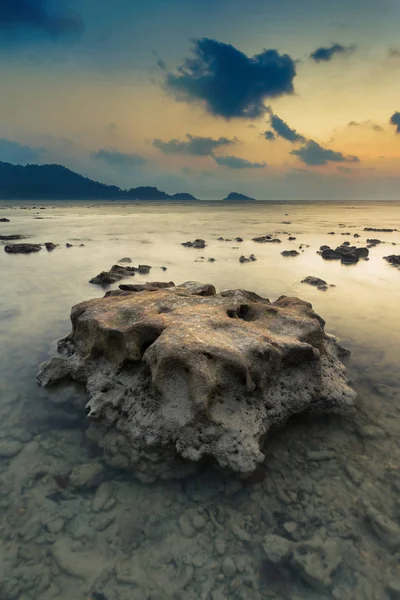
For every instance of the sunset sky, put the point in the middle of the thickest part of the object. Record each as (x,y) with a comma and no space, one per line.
(278,99)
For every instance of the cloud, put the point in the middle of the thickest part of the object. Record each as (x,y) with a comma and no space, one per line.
(118,159)
(16,153)
(111,127)
(194,145)
(368,123)
(395,120)
(24,16)
(325,54)
(283,130)
(269,135)
(344,170)
(230,84)
(234,162)
(314,154)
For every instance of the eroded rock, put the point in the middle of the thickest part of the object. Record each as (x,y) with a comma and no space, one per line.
(182,375)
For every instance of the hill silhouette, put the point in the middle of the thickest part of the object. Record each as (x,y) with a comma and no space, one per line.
(56,182)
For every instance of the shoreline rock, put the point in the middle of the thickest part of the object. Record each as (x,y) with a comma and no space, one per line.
(181,376)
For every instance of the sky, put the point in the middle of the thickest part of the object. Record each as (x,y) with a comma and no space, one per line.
(276,99)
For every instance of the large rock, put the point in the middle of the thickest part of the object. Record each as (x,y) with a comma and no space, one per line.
(182,375)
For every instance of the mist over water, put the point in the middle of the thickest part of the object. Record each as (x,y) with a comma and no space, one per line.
(327,479)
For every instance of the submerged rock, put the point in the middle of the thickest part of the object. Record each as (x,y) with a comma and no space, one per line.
(183,375)
(198,243)
(320,284)
(22,248)
(10,238)
(116,273)
(381,230)
(245,259)
(263,239)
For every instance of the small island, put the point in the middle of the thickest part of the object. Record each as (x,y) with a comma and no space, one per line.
(238,197)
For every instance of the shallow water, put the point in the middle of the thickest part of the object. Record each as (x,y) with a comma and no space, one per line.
(202,537)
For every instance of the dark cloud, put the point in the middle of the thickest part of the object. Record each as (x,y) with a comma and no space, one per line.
(16,153)
(283,130)
(368,123)
(395,120)
(161,65)
(325,54)
(230,84)
(118,159)
(24,16)
(234,162)
(314,154)
(269,135)
(194,145)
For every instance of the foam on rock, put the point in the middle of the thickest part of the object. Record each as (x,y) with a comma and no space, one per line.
(182,375)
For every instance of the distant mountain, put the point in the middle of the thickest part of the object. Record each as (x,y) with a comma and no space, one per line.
(236,196)
(55,182)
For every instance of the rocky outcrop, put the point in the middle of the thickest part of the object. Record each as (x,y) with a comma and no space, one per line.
(22,248)
(382,230)
(317,282)
(264,239)
(245,259)
(198,243)
(345,253)
(179,376)
(393,259)
(116,273)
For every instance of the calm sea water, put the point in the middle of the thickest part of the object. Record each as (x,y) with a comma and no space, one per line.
(64,537)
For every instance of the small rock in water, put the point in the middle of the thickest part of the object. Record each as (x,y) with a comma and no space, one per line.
(290,253)
(320,284)
(22,248)
(4,220)
(198,243)
(126,259)
(251,258)
(50,246)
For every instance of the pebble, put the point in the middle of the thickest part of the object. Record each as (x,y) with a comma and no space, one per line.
(199,522)
(185,526)
(56,526)
(102,496)
(290,526)
(240,533)
(10,448)
(199,559)
(87,475)
(229,567)
(220,546)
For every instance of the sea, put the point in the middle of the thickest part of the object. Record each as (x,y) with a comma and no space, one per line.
(321,519)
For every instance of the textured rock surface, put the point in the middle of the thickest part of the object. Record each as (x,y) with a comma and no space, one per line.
(181,375)
(116,273)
